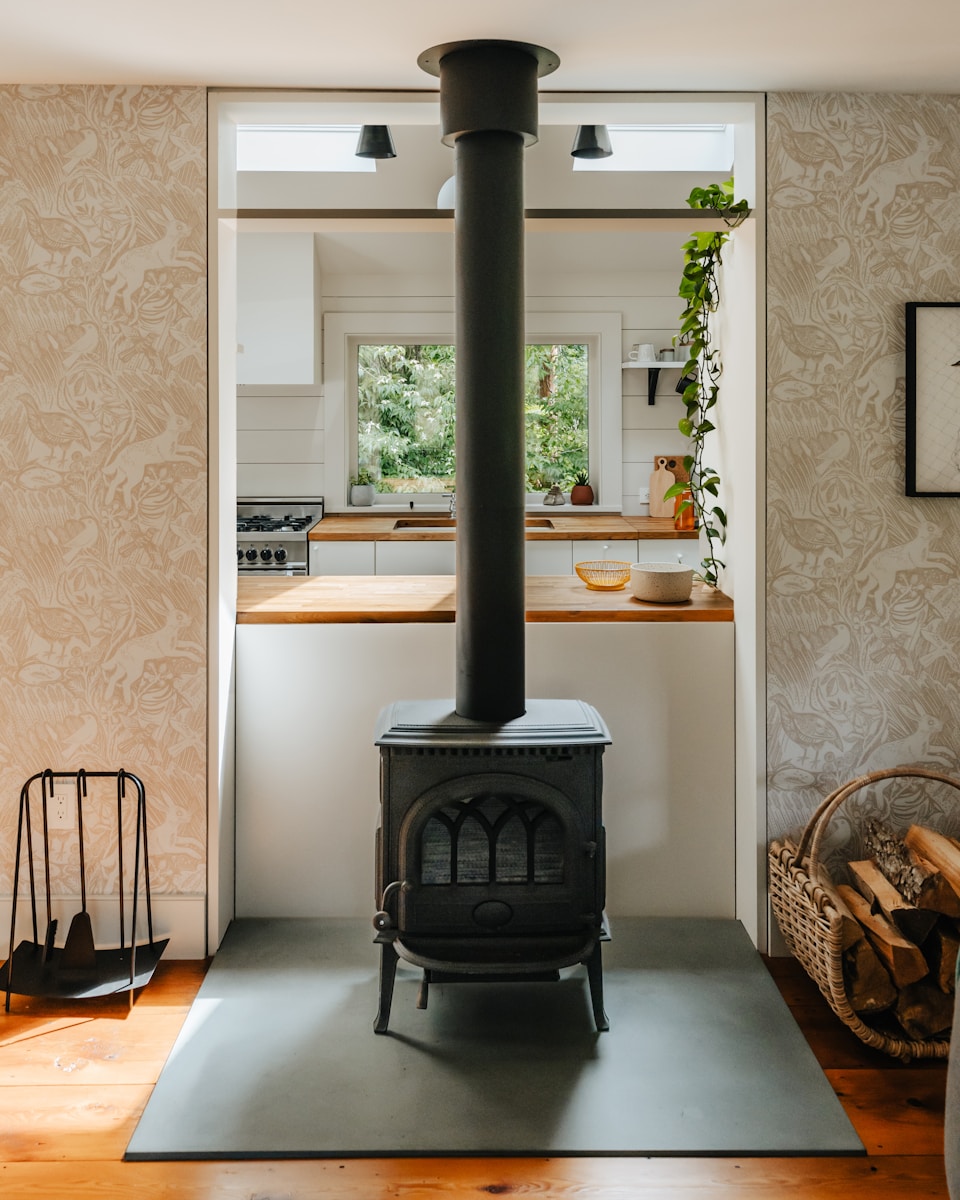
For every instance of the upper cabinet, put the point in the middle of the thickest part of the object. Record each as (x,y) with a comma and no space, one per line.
(276,301)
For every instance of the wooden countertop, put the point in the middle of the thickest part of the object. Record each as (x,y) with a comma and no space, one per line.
(358,599)
(586,527)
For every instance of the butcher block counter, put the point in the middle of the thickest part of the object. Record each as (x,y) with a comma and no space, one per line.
(348,599)
(541,526)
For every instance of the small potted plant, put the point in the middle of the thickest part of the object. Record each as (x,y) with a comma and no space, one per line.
(581,492)
(361,488)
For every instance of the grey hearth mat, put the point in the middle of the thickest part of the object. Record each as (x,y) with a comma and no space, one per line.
(278,1058)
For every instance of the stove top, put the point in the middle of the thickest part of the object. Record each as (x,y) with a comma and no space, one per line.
(260,523)
(291,514)
(272,533)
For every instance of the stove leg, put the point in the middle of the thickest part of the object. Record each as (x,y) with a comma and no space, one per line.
(595,976)
(388,973)
(424,992)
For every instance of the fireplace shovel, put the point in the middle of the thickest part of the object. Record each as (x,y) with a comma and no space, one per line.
(79,955)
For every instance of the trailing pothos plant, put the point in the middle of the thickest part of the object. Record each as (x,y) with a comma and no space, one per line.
(700,288)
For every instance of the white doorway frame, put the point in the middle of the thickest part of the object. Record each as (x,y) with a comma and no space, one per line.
(743,466)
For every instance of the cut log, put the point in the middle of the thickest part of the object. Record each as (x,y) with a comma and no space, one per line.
(901,957)
(867,982)
(940,852)
(914,923)
(923,1010)
(940,951)
(913,876)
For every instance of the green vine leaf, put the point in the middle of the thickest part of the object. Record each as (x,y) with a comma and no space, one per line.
(699,288)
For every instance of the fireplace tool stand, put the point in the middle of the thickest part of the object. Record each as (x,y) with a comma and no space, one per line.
(78,969)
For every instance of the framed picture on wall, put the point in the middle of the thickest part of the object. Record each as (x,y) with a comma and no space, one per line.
(933,399)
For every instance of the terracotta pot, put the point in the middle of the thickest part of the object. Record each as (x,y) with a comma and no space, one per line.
(581,493)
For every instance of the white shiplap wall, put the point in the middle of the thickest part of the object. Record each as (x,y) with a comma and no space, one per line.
(281,448)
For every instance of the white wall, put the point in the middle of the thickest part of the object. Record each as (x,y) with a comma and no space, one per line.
(307,768)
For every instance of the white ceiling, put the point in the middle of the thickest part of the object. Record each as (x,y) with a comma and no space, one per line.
(699,45)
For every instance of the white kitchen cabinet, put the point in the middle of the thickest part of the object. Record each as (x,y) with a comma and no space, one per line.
(416,558)
(276,325)
(342,558)
(594,551)
(549,558)
(681,550)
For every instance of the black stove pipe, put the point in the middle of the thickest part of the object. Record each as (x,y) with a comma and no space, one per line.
(488,112)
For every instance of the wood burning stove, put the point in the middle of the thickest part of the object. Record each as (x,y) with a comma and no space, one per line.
(490,850)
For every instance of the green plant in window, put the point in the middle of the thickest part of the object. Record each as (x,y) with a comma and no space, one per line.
(700,289)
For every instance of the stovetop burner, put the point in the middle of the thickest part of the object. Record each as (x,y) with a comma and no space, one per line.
(264,524)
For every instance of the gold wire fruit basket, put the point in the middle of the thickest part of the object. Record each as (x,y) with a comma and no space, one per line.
(606,575)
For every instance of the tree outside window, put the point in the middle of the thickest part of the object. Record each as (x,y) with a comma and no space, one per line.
(406,402)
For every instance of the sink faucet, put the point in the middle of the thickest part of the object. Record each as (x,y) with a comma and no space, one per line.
(452,497)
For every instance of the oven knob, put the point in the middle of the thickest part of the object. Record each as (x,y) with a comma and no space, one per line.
(281,554)
(251,555)
(239,555)
(266,554)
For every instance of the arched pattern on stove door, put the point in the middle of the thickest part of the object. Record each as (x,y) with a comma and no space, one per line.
(491,838)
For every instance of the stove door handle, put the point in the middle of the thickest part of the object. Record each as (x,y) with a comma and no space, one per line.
(382,919)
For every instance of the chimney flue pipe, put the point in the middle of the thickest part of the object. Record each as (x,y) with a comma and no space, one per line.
(488,113)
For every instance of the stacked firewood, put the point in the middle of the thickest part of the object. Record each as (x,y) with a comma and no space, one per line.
(901,928)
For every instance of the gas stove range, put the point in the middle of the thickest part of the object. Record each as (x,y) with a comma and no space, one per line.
(272,534)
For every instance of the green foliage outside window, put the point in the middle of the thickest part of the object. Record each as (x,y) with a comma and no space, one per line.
(406,415)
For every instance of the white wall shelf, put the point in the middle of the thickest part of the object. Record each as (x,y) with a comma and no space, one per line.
(653,376)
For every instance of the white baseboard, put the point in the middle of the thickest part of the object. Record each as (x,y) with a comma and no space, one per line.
(182,919)
(776,946)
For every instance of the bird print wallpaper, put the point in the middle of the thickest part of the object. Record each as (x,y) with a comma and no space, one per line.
(103,484)
(103,319)
(863,607)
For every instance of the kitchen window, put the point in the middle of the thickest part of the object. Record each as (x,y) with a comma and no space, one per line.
(406,425)
(389,396)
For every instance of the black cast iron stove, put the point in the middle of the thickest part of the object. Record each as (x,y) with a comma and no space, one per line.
(490,851)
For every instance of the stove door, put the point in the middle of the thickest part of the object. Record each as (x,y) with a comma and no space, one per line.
(496,854)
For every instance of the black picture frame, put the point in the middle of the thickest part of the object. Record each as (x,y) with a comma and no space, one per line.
(932,398)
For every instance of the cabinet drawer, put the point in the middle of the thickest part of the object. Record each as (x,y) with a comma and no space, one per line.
(416,558)
(549,558)
(622,551)
(342,558)
(682,550)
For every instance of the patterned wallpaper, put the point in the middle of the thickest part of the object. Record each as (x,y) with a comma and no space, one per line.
(103,484)
(863,608)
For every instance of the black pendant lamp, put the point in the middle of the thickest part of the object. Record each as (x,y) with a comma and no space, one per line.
(375,141)
(592,141)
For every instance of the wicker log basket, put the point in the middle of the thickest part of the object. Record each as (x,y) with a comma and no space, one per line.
(811,924)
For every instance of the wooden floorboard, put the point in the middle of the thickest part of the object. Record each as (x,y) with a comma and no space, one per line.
(74,1077)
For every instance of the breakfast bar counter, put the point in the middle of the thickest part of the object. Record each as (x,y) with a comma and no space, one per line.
(391,599)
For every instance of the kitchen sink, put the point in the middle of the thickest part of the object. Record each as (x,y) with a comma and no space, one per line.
(428,524)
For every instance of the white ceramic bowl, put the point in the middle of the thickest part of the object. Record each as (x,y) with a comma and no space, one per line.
(661,583)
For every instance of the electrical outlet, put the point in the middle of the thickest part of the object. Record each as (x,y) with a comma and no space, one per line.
(644,495)
(62,810)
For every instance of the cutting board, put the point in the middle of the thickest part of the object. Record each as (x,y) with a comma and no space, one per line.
(660,480)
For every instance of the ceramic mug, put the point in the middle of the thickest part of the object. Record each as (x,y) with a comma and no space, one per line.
(644,352)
